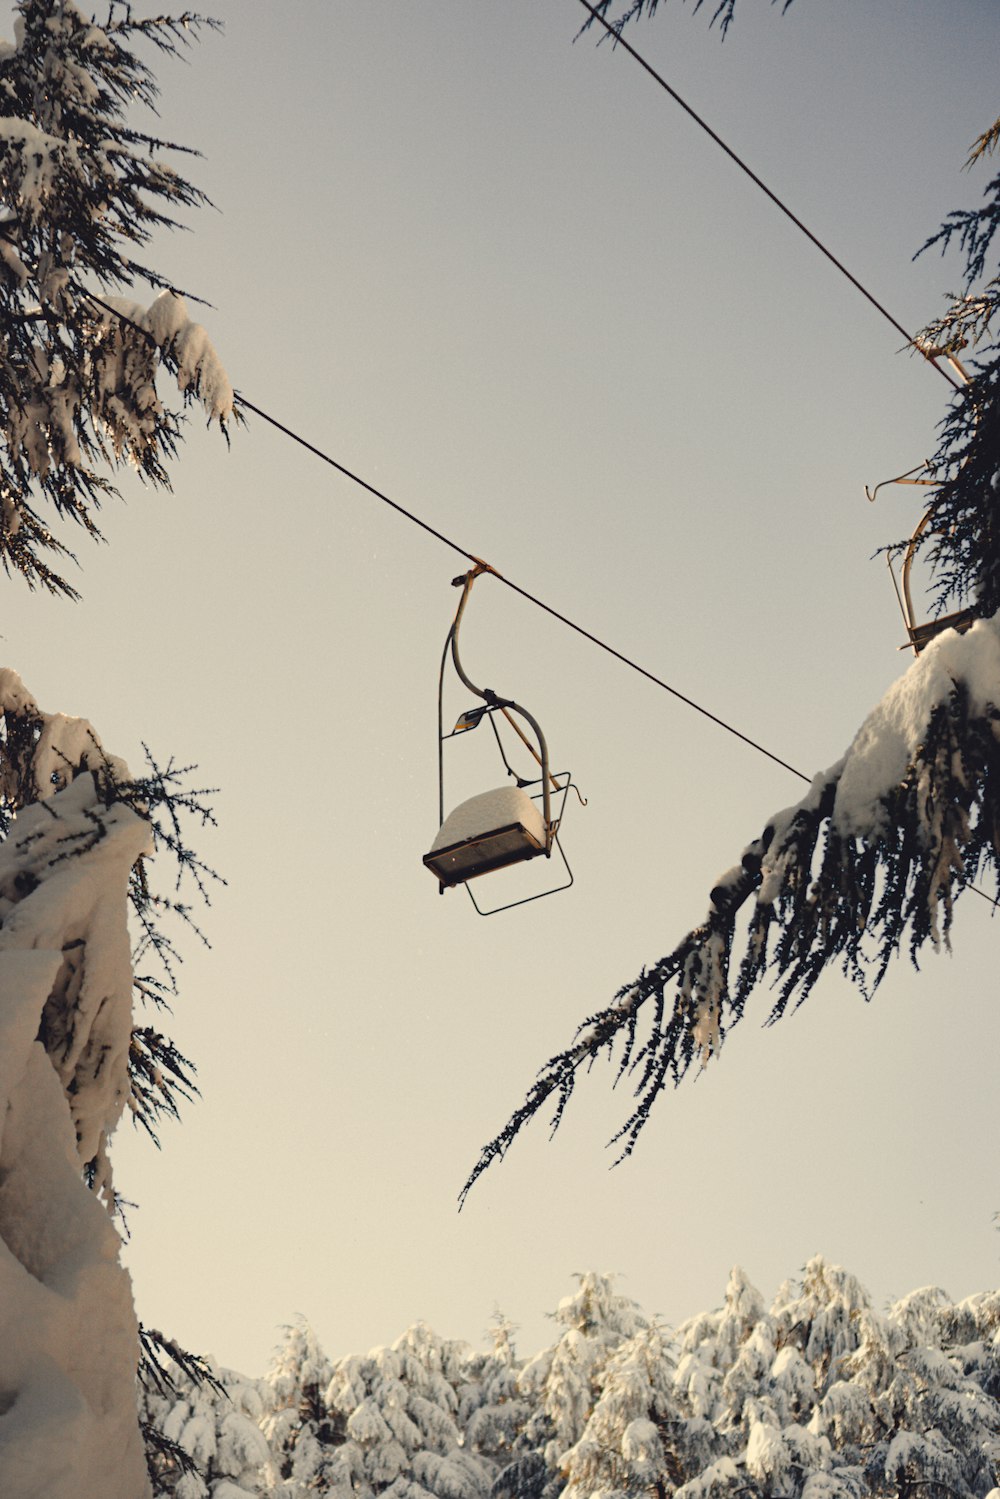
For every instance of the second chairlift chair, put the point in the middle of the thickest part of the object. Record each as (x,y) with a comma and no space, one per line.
(920,634)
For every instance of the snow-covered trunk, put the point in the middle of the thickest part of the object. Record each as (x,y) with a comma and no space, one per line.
(68,1332)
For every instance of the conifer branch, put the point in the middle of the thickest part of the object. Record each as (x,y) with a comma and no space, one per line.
(986,144)
(820,890)
(825,885)
(635,10)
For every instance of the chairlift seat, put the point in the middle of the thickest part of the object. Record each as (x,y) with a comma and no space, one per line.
(487,832)
(921,635)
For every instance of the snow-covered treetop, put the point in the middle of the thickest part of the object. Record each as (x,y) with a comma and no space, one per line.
(598,1311)
(299,1364)
(81,190)
(626,1445)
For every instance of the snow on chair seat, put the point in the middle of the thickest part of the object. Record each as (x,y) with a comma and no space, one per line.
(487,832)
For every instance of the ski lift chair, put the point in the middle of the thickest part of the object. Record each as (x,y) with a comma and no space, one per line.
(506,826)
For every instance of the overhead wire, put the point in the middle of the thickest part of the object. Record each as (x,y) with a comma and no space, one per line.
(530,597)
(619,40)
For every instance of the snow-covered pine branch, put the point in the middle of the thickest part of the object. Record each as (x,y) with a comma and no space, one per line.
(872,858)
(203,1431)
(81,189)
(885,840)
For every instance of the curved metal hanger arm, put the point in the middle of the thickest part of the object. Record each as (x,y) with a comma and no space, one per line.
(489,696)
(909,613)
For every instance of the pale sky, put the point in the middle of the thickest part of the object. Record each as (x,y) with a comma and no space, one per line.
(506,280)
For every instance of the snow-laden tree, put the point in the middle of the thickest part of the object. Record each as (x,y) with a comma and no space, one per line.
(873,858)
(722,1357)
(82,188)
(630,1443)
(823,1398)
(751,1379)
(939,1423)
(828,1317)
(563,1382)
(68,1335)
(398,1409)
(297,1425)
(211,1421)
(494,1412)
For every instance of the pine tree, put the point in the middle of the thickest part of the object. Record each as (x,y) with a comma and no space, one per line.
(874,858)
(208,1424)
(629,1445)
(81,191)
(941,1427)
(398,1410)
(493,1411)
(75,829)
(723,1357)
(563,1382)
(827,1319)
(297,1425)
